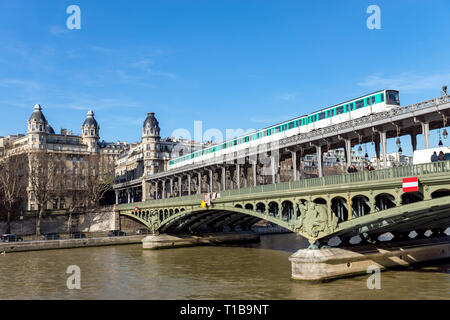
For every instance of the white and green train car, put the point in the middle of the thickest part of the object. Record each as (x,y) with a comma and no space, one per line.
(379,101)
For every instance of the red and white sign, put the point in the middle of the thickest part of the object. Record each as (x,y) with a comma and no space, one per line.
(410,184)
(136,209)
(208,199)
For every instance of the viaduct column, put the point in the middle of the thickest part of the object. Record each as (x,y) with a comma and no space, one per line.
(383,147)
(189,184)
(426,134)
(180,187)
(272,166)
(348,152)
(413,140)
(224,178)
(117,197)
(377,151)
(254,174)
(163,195)
(210,180)
(238,175)
(129,196)
(171,187)
(199,187)
(319,161)
(294,165)
(156,190)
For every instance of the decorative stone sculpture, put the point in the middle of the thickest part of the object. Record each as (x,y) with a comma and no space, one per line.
(314,220)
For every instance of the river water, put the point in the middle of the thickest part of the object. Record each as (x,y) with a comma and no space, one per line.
(252,271)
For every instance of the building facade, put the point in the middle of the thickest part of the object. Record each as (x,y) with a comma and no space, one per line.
(149,156)
(69,149)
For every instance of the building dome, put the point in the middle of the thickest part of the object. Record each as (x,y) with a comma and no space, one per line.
(90,120)
(37,114)
(151,122)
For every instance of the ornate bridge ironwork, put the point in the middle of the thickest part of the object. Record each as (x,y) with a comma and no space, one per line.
(364,203)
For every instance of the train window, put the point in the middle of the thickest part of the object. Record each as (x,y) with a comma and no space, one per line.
(329,113)
(321,115)
(340,110)
(291,125)
(382,97)
(285,127)
(373,99)
(392,98)
(359,104)
(368,101)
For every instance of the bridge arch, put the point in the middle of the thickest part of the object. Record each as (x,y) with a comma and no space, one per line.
(220,218)
(261,207)
(440,193)
(339,207)
(320,200)
(249,206)
(384,201)
(273,209)
(411,197)
(360,206)
(287,210)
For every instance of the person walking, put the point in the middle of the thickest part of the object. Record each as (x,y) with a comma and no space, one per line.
(441,156)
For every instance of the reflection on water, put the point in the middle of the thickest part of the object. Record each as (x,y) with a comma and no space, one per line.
(252,271)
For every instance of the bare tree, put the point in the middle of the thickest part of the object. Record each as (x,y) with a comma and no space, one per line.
(98,178)
(77,196)
(44,182)
(12,185)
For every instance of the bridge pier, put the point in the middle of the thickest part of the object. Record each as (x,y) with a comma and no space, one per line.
(166,241)
(331,263)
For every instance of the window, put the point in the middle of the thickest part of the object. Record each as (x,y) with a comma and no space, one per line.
(321,115)
(382,97)
(291,125)
(359,104)
(373,99)
(392,98)
(329,113)
(340,110)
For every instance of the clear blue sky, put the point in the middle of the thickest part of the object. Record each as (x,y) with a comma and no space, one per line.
(231,64)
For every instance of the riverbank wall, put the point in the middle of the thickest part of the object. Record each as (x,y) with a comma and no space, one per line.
(7,247)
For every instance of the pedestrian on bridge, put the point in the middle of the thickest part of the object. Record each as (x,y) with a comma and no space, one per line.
(441,156)
(434,157)
(352,169)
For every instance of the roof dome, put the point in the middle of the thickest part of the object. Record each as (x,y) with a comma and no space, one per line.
(151,121)
(90,120)
(37,114)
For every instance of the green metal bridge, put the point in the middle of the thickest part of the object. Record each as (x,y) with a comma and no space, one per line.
(367,203)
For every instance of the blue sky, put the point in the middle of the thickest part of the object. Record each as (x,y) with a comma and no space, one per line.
(231,64)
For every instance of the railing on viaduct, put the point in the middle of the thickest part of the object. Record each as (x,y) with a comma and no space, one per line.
(344,179)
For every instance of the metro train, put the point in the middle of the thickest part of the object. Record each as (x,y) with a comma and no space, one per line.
(376,102)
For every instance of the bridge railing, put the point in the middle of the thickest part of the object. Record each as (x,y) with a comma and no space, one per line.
(348,178)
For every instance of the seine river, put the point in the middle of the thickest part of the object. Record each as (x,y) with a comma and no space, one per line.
(255,271)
